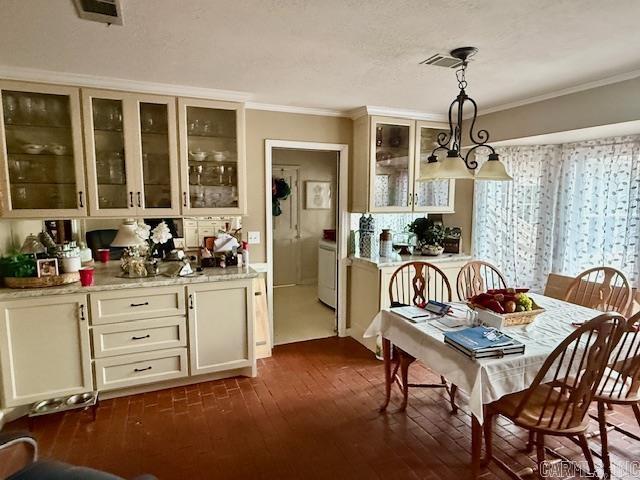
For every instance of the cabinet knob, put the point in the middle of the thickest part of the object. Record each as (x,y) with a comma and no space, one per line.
(139,199)
(142,369)
(190,301)
(82,317)
(138,304)
(80,199)
(141,338)
(184,197)
(131,199)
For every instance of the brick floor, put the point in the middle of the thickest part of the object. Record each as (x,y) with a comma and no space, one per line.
(310,414)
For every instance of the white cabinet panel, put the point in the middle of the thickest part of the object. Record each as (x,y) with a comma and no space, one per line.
(220,326)
(136,304)
(44,348)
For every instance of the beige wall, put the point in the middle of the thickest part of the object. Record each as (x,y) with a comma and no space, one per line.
(314,165)
(263,125)
(463,216)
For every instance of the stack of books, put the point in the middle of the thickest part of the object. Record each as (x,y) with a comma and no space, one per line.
(483,342)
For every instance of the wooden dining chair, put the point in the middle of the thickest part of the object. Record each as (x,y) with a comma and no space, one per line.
(416,283)
(477,277)
(601,288)
(620,385)
(557,401)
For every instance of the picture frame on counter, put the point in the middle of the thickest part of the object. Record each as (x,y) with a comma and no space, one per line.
(47,267)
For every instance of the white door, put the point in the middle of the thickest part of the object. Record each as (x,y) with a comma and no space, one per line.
(286,231)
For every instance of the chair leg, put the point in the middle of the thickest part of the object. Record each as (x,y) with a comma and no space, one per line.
(405,361)
(488,438)
(531,443)
(582,440)
(636,411)
(609,406)
(540,456)
(602,423)
(388,379)
(452,398)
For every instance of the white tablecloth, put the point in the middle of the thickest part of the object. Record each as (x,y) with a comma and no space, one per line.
(488,379)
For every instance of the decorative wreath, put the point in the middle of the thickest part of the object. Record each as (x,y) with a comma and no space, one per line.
(280,190)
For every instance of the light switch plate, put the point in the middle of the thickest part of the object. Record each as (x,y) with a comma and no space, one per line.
(253,238)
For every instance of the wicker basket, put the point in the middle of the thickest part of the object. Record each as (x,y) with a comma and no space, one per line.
(42,282)
(500,320)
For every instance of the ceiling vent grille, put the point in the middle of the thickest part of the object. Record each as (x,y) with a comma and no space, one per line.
(104,11)
(441,60)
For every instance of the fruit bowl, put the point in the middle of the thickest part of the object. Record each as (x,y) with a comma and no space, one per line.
(505,307)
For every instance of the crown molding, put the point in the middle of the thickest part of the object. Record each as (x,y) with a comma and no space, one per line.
(325,112)
(111,83)
(565,91)
(397,112)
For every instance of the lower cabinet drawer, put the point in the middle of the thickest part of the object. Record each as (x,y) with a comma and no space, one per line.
(141,368)
(136,304)
(138,336)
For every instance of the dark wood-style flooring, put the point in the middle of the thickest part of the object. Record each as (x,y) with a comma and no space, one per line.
(312,413)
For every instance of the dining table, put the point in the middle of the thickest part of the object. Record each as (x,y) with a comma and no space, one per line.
(484,380)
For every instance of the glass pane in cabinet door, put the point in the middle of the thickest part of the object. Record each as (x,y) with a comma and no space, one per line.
(110,161)
(213,157)
(433,193)
(40,150)
(392,166)
(155,155)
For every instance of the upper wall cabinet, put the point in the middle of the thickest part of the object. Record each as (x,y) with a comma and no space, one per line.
(388,155)
(41,167)
(212,157)
(131,150)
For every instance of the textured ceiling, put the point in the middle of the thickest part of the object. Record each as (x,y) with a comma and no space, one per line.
(334,53)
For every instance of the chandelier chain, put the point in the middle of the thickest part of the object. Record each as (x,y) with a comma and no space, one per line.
(460,75)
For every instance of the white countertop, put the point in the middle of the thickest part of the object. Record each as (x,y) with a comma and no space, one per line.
(401,260)
(105,278)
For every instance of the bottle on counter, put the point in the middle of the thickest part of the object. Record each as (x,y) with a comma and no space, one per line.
(386,243)
(245,254)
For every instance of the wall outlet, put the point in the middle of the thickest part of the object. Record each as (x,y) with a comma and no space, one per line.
(253,238)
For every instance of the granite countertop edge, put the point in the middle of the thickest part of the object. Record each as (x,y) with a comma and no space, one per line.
(395,261)
(106,280)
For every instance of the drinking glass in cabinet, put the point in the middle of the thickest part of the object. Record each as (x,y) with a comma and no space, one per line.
(111,170)
(392,165)
(155,155)
(39,153)
(213,157)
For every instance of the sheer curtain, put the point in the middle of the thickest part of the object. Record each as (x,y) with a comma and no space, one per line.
(514,221)
(569,208)
(598,216)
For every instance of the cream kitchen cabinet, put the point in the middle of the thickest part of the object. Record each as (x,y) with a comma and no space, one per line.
(388,155)
(212,157)
(132,155)
(41,158)
(221,326)
(44,348)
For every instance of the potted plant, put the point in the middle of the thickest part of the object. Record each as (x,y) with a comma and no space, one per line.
(429,235)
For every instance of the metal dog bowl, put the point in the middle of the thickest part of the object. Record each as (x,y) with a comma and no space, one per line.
(48,405)
(79,399)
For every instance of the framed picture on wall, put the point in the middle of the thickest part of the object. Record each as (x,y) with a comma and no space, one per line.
(318,195)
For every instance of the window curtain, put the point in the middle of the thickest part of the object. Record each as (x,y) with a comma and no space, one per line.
(514,221)
(569,208)
(598,215)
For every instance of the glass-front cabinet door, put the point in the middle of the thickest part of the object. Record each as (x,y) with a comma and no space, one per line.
(436,196)
(41,144)
(391,171)
(131,146)
(212,157)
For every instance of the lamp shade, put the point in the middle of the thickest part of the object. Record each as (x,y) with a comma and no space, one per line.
(127,235)
(429,171)
(493,169)
(453,168)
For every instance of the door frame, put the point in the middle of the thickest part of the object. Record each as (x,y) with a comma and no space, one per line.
(342,215)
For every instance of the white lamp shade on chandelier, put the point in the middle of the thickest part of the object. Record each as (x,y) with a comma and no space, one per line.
(493,170)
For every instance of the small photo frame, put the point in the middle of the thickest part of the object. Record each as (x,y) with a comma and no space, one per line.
(47,267)
(318,195)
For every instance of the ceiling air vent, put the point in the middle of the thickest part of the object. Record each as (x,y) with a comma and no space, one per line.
(104,11)
(440,60)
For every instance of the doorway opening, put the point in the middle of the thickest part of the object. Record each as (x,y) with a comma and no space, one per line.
(306,248)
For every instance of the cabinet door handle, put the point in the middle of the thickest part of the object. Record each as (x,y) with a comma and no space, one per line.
(184,197)
(138,304)
(142,369)
(131,199)
(139,200)
(191,301)
(141,338)
(410,199)
(82,317)
(80,199)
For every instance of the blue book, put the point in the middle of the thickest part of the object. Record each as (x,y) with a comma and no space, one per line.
(479,342)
